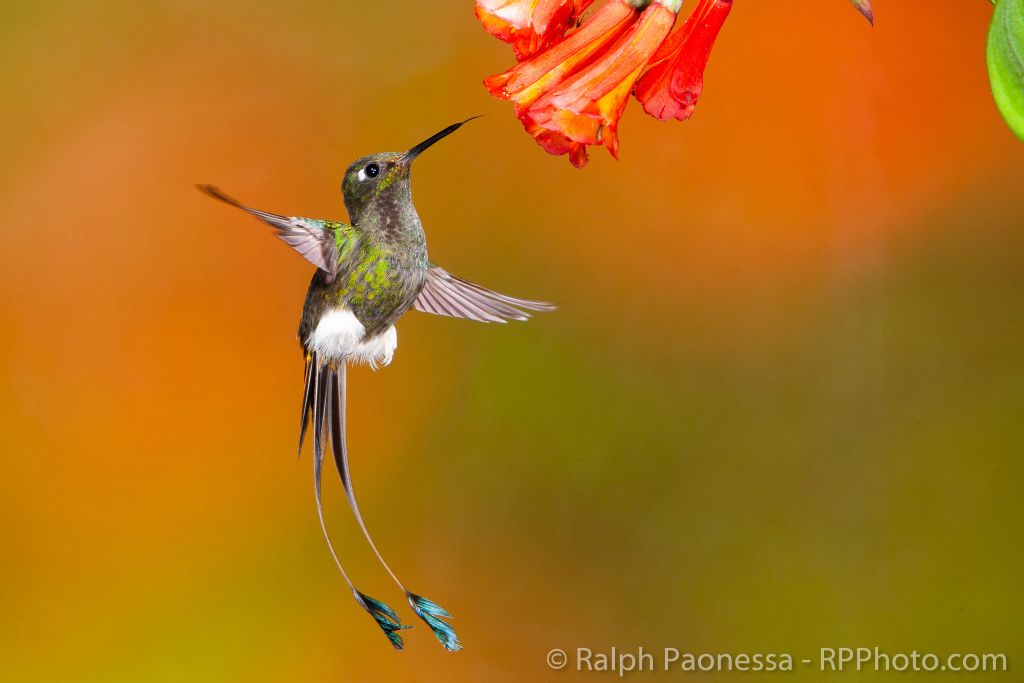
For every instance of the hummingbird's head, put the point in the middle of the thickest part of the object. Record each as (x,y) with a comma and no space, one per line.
(384,173)
(369,177)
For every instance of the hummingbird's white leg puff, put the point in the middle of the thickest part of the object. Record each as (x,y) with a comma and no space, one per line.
(340,337)
(378,350)
(337,335)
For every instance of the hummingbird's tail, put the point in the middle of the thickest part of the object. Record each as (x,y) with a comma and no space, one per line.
(429,611)
(319,399)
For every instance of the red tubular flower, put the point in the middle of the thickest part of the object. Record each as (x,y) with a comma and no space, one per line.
(527,81)
(585,109)
(670,88)
(529,25)
(558,144)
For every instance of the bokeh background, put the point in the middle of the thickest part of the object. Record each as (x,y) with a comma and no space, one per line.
(779,409)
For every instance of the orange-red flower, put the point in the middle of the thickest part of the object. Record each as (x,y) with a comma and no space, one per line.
(571,93)
(670,88)
(530,80)
(529,25)
(586,108)
(527,81)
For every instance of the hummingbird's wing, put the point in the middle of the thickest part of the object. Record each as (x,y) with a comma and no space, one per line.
(445,294)
(317,241)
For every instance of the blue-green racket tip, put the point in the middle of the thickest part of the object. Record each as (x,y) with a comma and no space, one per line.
(385,617)
(432,613)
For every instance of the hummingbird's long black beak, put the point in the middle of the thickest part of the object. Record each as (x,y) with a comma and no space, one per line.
(418,149)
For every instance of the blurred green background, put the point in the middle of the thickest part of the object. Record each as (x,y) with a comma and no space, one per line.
(779,409)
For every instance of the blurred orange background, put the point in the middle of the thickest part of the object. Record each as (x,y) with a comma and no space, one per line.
(780,407)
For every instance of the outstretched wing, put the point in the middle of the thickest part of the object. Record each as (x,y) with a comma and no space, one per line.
(445,294)
(322,243)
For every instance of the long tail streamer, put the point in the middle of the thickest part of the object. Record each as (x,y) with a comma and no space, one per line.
(318,400)
(325,396)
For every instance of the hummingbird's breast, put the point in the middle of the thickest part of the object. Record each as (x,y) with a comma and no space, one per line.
(383,285)
(353,316)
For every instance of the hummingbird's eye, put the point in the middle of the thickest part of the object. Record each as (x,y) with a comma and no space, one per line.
(372,171)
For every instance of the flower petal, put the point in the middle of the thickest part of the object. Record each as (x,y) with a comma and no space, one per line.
(529,25)
(531,78)
(671,87)
(586,108)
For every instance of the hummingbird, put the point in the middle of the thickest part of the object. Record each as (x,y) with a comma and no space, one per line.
(370,272)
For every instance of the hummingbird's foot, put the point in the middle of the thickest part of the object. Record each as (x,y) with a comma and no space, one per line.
(385,617)
(432,613)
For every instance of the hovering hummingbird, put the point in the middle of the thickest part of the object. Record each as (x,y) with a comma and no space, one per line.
(369,273)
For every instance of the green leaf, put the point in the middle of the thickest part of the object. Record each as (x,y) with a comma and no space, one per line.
(1006,62)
